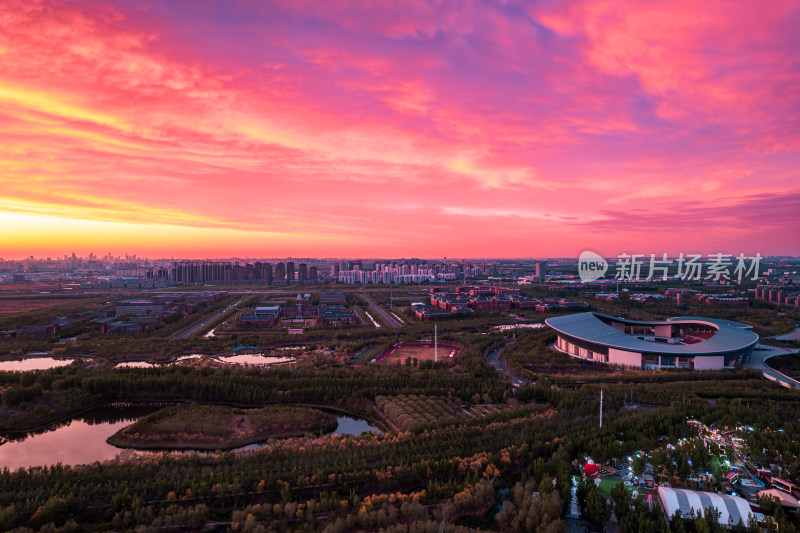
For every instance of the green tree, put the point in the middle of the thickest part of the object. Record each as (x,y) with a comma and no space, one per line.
(598,510)
(676,522)
(7,517)
(638,465)
(622,501)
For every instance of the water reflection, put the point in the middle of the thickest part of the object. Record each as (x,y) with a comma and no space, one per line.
(83,440)
(353,426)
(255,359)
(77,441)
(506,327)
(241,359)
(35,363)
(135,364)
(345,426)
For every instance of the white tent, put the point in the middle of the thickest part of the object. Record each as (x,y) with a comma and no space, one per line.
(731,507)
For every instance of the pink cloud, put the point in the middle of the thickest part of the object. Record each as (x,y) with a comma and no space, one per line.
(407,129)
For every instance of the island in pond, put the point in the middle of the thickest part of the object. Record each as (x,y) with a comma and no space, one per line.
(195,426)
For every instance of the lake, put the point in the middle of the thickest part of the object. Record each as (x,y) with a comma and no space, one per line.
(254,359)
(83,440)
(241,359)
(35,363)
(79,441)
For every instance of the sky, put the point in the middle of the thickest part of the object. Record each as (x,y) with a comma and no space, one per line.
(399,129)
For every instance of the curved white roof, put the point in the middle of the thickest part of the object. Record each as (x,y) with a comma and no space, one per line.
(730,336)
(731,507)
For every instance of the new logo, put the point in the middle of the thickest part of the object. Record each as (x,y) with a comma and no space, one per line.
(591,266)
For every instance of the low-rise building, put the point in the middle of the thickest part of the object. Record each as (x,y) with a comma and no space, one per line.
(428,312)
(336,315)
(122,328)
(50,329)
(723,301)
(262,317)
(137,307)
(331,298)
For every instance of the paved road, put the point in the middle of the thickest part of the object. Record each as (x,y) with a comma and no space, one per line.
(494,359)
(793,335)
(213,317)
(377,309)
(761,353)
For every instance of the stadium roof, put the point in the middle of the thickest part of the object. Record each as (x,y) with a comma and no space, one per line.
(730,336)
(715,321)
(731,507)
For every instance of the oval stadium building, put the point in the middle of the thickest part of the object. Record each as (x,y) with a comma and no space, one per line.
(685,342)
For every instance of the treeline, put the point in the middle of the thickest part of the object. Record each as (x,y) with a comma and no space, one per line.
(439,463)
(38,397)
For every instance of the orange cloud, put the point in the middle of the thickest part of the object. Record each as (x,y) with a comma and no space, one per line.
(343,129)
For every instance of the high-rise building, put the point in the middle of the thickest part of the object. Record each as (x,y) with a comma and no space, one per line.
(280,274)
(262,273)
(302,273)
(541,272)
(289,272)
(312,274)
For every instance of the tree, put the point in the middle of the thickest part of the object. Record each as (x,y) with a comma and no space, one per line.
(598,510)
(659,461)
(638,465)
(7,516)
(57,510)
(676,524)
(622,500)
(684,468)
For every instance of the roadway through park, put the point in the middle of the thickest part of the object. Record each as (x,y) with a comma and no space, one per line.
(213,317)
(494,359)
(758,360)
(380,311)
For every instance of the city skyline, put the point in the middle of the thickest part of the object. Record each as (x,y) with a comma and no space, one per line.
(272,130)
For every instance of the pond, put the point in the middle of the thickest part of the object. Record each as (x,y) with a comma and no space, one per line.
(346,426)
(78,441)
(83,440)
(353,426)
(145,364)
(134,364)
(506,327)
(255,359)
(35,363)
(241,359)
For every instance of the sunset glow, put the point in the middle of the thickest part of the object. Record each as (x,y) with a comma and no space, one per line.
(328,129)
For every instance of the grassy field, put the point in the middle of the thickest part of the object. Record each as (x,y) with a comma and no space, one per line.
(606,484)
(214,427)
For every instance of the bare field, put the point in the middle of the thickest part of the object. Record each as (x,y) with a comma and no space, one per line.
(421,351)
(21,305)
(29,286)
